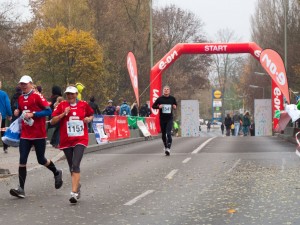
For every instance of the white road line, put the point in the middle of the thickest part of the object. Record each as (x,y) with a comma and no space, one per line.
(202,146)
(171,174)
(131,202)
(283,165)
(234,165)
(186,160)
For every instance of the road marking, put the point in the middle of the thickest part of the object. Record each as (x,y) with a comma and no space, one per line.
(283,165)
(234,165)
(202,146)
(131,202)
(186,160)
(171,174)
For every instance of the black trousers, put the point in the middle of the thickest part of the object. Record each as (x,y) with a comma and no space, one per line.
(166,136)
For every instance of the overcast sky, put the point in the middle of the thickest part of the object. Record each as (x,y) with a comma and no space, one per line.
(219,14)
(216,14)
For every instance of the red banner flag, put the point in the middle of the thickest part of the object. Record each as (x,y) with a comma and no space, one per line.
(273,64)
(132,70)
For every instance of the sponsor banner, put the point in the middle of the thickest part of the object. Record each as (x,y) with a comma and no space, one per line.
(143,128)
(98,127)
(277,103)
(122,127)
(150,124)
(273,64)
(132,122)
(132,70)
(110,127)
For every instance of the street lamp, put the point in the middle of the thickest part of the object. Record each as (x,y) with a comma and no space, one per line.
(254,86)
(285,8)
(243,98)
(151,34)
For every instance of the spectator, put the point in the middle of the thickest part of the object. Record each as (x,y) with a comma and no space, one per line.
(124,109)
(110,109)
(252,128)
(232,129)
(237,122)
(134,109)
(228,123)
(5,110)
(208,125)
(246,123)
(176,128)
(56,93)
(39,89)
(117,110)
(145,110)
(80,88)
(55,136)
(14,101)
(222,128)
(94,106)
(96,110)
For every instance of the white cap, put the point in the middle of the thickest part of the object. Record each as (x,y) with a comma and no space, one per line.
(71,89)
(25,79)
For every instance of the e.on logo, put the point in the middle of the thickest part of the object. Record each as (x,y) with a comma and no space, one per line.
(154,97)
(272,64)
(132,72)
(277,101)
(167,60)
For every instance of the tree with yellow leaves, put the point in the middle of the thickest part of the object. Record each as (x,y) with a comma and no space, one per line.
(62,57)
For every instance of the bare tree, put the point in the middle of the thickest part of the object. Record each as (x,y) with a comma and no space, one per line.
(226,69)
(174,25)
(268,31)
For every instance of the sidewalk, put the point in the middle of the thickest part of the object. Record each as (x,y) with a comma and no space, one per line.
(9,161)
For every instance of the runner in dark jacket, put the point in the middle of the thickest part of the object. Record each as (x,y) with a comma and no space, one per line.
(166,104)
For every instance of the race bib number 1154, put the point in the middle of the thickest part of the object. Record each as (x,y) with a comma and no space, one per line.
(166,108)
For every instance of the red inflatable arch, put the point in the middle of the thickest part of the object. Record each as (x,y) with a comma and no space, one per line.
(204,48)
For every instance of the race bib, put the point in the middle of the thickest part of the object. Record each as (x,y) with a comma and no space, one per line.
(166,108)
(75,128)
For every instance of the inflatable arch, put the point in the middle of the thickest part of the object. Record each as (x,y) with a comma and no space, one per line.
(206,48)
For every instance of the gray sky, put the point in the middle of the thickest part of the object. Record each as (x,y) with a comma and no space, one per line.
(219,14)
(216,14)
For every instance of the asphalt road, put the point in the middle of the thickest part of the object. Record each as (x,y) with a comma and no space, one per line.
(207,180)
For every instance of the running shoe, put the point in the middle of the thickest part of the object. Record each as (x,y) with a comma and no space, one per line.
(74,198)
(18,192)
(5,150)
(167,151)
(58,179)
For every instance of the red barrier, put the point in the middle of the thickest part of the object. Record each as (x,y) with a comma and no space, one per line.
(122,127)
(110,127)
(150,123)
